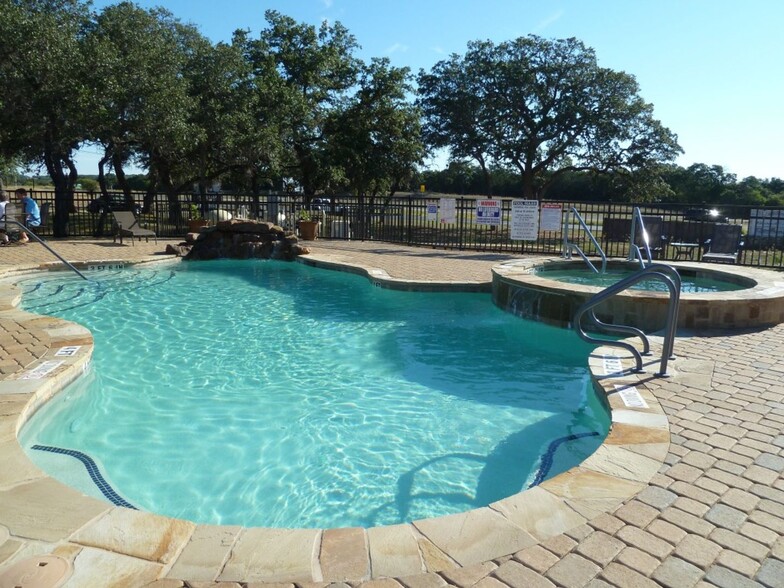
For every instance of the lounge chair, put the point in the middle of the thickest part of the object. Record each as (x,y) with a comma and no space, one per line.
(725,244)
(128,226)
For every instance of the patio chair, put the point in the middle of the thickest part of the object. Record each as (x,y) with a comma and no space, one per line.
(128,226)
(725,244)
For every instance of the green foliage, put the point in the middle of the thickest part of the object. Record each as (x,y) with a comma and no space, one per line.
(88,184)
(138,182)
(665,183)
(317,69)
(193,212)
(375,138)
(45,90)
(543,107)
(135,61)
(530,116)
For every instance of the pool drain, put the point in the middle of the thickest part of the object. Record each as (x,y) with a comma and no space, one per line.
(44,571)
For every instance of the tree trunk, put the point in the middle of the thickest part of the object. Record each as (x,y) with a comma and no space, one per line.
(103,209)
(149,196)
(63,192)
(529,192)
(117,164)
(488,177)
(73,175)
(102,175)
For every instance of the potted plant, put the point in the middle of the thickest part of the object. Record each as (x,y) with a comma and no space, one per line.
(195,220)
(308,226)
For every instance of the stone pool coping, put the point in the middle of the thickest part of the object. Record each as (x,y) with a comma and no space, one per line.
(40,515)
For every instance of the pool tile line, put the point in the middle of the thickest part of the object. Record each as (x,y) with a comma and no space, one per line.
(94,472)
(549,454)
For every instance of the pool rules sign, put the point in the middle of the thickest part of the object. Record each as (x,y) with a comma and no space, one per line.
(525,220)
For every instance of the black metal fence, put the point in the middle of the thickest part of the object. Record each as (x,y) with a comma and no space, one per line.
(420,219)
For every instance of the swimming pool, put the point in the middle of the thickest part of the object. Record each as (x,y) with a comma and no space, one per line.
(267,393)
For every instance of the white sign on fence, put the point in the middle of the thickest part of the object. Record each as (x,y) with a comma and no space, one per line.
(432,211)
(448,210)
(525,220)
(488,212)
(551,217)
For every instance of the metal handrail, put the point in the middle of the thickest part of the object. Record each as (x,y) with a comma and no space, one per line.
(667,274)
(42,242)
(568,246)
(634,249)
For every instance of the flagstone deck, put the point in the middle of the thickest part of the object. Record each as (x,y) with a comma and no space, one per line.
(703,488)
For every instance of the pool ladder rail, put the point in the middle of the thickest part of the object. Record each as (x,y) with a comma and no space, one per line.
(670,277)
(569,247)
(35,237)
(635,251)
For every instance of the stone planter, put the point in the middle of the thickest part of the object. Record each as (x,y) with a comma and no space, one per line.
(308,229)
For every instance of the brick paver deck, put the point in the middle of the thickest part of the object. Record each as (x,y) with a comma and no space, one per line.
(712,516)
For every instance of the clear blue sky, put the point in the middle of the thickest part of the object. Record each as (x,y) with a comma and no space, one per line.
(713,69)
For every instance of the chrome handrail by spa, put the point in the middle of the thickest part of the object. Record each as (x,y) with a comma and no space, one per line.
(569,247)
(634,250)
(670,277)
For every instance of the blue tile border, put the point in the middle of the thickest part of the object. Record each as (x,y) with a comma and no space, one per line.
(95,474)
(547,458)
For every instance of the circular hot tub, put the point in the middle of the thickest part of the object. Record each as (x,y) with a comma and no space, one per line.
(714,297)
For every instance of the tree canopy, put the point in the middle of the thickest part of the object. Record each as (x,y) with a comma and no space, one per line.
(292,102)
(45,90)
(542,107)
(148,89)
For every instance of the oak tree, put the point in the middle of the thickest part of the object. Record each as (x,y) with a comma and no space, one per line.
(543,107)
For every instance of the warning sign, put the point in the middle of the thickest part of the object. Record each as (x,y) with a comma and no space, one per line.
(488,212)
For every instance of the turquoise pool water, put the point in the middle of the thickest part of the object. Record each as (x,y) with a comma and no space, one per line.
(690,282)
(263,393)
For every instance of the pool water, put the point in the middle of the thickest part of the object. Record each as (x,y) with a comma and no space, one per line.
(265,393)
(690,282)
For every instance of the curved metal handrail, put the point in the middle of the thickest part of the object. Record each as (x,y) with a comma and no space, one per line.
(634,249)
(568,246)
(42,242)
(670,277)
